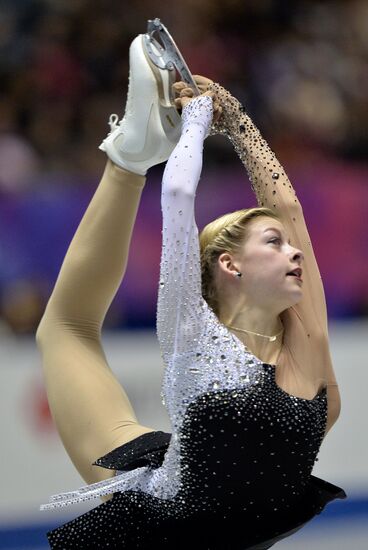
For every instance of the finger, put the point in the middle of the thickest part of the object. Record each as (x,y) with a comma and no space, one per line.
(178,103)
(202,88)
(179,85)
(218,114)
(186,92)
(202,80)
(216,111)
(185,101)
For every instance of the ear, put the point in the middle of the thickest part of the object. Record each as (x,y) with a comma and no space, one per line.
(226,263)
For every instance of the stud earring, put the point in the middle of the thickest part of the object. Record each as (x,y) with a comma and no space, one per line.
(238,274)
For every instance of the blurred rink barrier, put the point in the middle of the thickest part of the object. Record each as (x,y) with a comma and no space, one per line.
(34,464)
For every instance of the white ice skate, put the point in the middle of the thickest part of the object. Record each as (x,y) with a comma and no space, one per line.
(151,125)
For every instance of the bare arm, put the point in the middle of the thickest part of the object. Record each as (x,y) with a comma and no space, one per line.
(273,190)
(307,320)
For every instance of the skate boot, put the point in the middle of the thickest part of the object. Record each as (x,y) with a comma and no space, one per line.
(151,125)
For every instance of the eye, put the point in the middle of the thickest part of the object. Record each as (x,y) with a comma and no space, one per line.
(274,240)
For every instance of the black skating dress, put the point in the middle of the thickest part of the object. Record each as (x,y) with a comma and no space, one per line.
(235,473)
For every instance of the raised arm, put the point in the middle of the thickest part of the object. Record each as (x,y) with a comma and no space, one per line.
(307,322)
(180,304)
(308,319)
(273,189)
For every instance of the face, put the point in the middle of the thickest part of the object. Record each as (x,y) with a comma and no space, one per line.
(264,260)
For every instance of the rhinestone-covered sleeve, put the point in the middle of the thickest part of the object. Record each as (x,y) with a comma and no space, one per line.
(180,303)
(273,189)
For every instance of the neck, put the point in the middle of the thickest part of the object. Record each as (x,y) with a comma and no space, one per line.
(266,350)
(254,320)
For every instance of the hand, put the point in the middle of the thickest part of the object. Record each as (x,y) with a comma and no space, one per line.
(185,94)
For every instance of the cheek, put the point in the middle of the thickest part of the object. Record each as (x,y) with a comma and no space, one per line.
(262,264)
(264,269)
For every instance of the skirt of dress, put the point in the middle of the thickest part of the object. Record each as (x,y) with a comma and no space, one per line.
(139,521)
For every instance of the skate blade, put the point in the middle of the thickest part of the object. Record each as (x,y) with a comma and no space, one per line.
(170,57)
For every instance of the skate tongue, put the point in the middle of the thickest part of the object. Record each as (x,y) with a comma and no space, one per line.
(170,56)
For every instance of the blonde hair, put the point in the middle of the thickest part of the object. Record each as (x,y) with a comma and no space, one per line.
(224,234)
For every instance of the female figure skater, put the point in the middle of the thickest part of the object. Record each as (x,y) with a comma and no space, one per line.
(242,325)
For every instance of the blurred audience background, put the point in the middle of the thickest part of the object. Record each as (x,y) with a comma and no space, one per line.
(299,68)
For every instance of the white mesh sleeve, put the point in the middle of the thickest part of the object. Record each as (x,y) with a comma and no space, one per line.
(180,304)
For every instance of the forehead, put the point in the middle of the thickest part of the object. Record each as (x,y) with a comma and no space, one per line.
(264,226)
(259,225)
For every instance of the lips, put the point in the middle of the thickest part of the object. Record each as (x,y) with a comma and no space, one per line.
(297,272)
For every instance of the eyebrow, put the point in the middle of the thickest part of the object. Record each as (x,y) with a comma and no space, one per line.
(274,229)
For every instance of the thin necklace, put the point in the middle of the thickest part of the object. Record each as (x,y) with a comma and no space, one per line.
(270,338)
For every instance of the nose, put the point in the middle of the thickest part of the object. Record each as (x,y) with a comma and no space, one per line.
(298,255)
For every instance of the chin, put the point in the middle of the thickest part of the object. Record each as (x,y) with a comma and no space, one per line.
(297,300)
(294,301)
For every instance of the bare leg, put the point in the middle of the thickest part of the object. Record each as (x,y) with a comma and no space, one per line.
(91,410)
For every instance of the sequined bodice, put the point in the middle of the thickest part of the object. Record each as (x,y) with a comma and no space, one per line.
(222,399)
(246,439)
